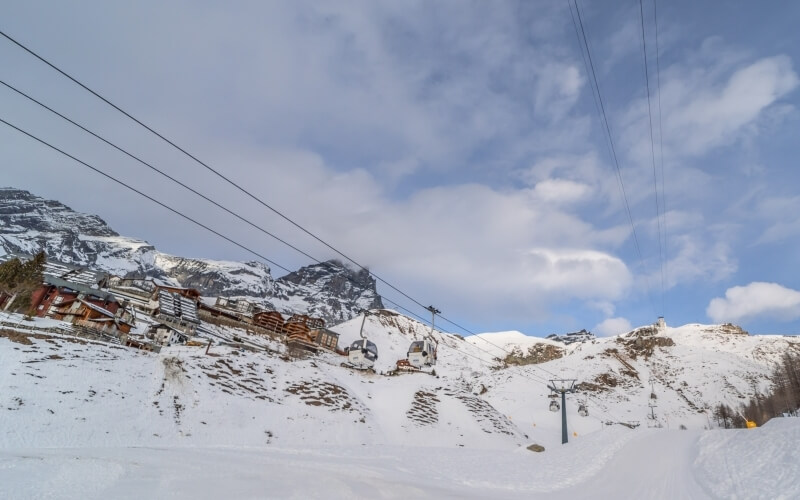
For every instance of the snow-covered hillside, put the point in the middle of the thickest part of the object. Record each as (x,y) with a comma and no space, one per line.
(93,420)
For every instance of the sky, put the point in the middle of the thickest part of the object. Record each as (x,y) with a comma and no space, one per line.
(453,147)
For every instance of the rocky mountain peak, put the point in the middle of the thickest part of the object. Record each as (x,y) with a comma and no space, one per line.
(22,211)
(574,337)
(328,290)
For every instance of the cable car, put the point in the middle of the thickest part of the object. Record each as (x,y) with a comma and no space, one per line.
(421,353)
(583,411)
(362,354)
(554,406)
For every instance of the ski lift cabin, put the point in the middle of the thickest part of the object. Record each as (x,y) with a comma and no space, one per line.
(362,354)
(583,411)
(554,406)
(421,353)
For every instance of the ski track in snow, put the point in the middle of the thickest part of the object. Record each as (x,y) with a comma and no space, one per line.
(655,464)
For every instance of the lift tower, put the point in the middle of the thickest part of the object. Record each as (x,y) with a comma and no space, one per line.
(563,386)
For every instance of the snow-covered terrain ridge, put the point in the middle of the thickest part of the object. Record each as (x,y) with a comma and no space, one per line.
(313,428)
(462,432)
(474,401)
(29,223)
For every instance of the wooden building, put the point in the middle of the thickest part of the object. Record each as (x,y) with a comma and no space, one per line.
(83,313)
(56,293)
(307,333)
(271,321)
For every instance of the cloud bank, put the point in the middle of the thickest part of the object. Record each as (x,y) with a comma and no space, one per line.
(758,299)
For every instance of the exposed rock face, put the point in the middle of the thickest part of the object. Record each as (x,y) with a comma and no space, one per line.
(572,338)
(732,329)
(29,223)
(539,353)
(329,290)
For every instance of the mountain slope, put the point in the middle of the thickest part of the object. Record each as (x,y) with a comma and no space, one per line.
(29,223)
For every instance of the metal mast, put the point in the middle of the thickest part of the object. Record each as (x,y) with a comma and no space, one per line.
(563,386)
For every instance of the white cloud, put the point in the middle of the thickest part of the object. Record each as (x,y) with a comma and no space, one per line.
(758,299)
(710,102)
(780,215)
(460,245)
(561,191)
(612,326)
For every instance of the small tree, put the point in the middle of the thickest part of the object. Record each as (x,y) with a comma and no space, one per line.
(18,280)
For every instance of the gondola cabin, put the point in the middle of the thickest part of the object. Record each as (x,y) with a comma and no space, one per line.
(421,353)
(362,354)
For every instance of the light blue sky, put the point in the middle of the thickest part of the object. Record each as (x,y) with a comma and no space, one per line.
(454,147)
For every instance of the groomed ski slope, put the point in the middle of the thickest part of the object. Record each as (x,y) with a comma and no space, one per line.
(647,464)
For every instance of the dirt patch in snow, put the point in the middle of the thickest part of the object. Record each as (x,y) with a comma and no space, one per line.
(319,393)
(424,408)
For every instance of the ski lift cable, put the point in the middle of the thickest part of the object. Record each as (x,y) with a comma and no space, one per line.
(65,74)
(177,212)
(11,87)
(32,99)
(584,42)
(661,154)
(128,186)
(211,169)
(157,170)
(652,148)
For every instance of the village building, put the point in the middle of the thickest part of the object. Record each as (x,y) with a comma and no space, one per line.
(206,310)
(142,293)
(241,306)
(83,313)
(56,293)
(177,311)
(165,335)
(57,272)
(304,333)
(272,321)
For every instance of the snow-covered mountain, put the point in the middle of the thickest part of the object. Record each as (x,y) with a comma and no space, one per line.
(29,223)
(475,399)
(465,427)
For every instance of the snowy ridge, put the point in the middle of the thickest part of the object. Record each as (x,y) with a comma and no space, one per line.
(29,224)
(459,433)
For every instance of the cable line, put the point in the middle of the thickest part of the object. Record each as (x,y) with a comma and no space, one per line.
(210,169)
(226,238)
(171,209)
(604,121)
(652,151)
(173,179)
(140,193)
(661,147)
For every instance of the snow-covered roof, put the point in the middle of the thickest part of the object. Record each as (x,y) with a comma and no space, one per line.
(77,287)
